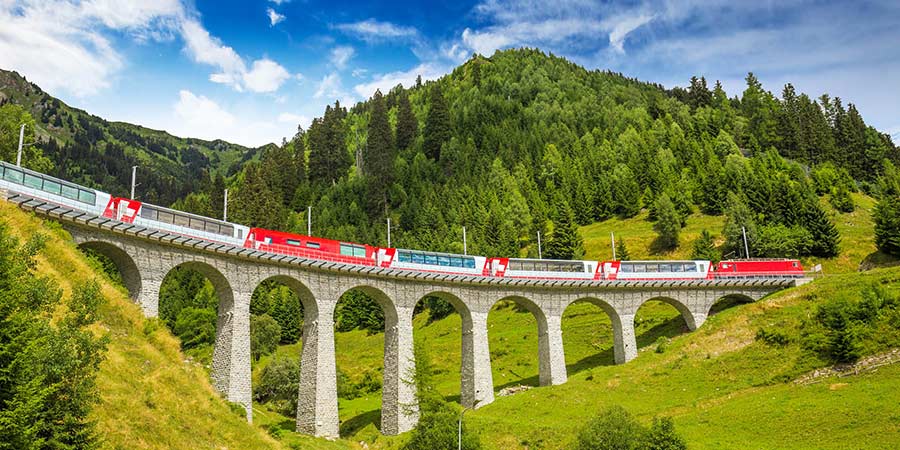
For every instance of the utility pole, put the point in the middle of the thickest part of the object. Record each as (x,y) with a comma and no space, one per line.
(746,247)
(133,180)
(309,220)
(465,246)
(21,139)
(225,208)
(539,245)
(613,237)
(389,231)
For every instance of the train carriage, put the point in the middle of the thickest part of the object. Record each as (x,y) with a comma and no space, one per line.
(657,270)
(399,258)
(311,247)
(759,268)
(545,269)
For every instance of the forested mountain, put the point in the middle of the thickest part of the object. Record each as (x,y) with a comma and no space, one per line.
(523,142)
(98,153)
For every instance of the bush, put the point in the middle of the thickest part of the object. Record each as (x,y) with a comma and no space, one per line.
(265,333)
(195,327)
(437,430)
(841,200)
(774,338)
(279,384)
(779,241)
(613,429)
(616,429)
(662,436)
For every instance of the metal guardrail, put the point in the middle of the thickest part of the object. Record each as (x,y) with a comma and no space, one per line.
(80,218)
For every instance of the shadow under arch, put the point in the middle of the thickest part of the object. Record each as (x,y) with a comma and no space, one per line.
(543,350)
(128,270)
(727,302)
(307,299)
(607,356)
(686,314)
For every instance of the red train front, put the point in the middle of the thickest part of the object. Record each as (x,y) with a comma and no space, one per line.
(759,268)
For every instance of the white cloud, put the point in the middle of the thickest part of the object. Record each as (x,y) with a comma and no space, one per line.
(274,17)
(200,117)
(63,45)
(374,31)
(428,71)
(341,55)
(60,44)
(332,88)
(265,76)
(280,2)
(623,27)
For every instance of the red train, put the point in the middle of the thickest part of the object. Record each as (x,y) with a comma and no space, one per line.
(132,211)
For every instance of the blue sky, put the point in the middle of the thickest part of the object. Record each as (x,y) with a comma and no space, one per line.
(250,71)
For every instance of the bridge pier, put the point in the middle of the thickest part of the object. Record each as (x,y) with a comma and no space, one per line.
(317,405)
(399,409)
(625,344)
(231,354)
(552,357)
(477,382)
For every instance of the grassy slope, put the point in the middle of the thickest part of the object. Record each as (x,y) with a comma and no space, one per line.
(714,380)
(856,230)
(149,398)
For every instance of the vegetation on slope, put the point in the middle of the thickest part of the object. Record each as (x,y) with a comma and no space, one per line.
(149,396)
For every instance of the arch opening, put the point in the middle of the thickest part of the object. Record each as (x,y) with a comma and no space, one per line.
(362,316)
(515,326)
(728,302)
(116,263)
(192,299)
(588,334)
(658,320)
(278,307)
(437,316)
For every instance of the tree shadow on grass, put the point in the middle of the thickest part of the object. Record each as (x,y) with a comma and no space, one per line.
(604,358)
(533,381)
(725,303)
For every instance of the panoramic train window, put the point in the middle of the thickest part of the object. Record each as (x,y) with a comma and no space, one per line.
(360,251)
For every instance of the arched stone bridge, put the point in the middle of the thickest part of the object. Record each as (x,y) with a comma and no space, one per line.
(144,257)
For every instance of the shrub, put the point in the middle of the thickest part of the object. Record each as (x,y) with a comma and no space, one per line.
(279,384)
(616,429)
(662,344)
(662,436)
(195,327)
(774,338)
(265,333)
(613,429)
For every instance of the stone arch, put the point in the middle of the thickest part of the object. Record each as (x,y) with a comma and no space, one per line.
(224,366)
(690,319)
(307,299)
(726,301)
(124,263)
(398,410)
(624,347)
(543,344)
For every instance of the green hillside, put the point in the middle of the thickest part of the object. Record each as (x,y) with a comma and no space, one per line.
(99,153)
(722,385)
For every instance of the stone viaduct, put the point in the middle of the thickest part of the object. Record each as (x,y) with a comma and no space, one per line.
(145,256)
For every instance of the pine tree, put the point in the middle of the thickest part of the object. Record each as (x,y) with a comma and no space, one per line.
(705,248)
(565,242)
(887,224)
(328,156)
(378,156)
(407,125)
(622,251)
(437,125)
(825,236)
(738,218)
(668,223)
(256,203)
